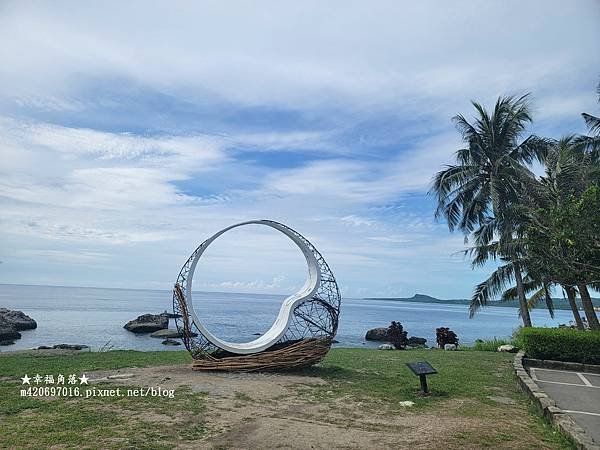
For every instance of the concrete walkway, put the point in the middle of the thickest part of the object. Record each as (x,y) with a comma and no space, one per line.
(576,393)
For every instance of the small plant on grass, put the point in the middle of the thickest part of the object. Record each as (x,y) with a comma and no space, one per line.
(445,336)
(397,335)
(490,345)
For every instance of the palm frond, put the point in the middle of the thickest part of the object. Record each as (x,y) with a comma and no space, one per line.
(491,287)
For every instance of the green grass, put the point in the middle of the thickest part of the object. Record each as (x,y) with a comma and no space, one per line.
(384,375)
(376,378)
(96,422)
(13,365)
(383,379)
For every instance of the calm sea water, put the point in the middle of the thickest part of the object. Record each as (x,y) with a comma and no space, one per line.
(95,316)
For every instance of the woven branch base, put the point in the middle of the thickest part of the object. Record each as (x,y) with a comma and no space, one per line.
(300,354)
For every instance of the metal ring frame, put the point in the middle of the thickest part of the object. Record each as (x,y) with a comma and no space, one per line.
(312,312)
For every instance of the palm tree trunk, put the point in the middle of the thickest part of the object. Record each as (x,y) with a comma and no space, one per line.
(570,290)
(522,300)
(588,307)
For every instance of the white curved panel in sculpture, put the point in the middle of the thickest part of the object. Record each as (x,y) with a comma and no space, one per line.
(285,316)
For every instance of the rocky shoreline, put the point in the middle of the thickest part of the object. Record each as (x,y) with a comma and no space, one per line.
(11,323)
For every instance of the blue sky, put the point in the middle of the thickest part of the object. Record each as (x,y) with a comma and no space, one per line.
(130,132)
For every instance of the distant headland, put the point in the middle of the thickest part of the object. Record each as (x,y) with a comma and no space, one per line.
(559,303)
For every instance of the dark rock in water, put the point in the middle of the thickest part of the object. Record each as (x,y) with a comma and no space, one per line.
(416,342)
(333,341)
(7,342)
(18,319)
(170,342)
(256,334)
(148,323)
(44,347)
(70,346)
(8,332)
(377,334)
(170,333)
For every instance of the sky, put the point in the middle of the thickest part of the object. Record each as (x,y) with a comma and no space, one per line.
(132,131)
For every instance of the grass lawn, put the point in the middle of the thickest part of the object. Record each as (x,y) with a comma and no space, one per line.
(470,385)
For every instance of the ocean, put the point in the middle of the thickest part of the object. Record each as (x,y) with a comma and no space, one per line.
(95,317)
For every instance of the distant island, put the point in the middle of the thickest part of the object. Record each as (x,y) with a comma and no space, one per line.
(559,303)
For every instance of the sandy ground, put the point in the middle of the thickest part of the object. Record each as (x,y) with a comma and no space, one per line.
(277,411)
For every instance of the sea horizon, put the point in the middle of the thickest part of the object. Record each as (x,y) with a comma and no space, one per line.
(95,316)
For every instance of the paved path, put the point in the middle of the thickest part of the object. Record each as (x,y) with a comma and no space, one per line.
(576,393)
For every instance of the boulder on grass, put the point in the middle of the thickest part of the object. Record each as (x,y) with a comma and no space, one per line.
(18,319)
(148,323)
(386,347)
(450,347)
(377,334)
(508,348)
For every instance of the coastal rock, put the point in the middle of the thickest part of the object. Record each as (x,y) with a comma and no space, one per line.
(7,342)
(450,347)
(170,342)
(508,348)
(386,347)
(377,334)
(70,346)
(18,319)
(416,342)
(8,332)
(147,323)
(172,315)
(170,333)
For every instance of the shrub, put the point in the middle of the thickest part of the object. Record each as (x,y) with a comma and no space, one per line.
(445,336)
(561,344)
(397,335)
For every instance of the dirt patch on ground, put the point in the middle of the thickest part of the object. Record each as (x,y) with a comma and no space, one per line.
(273,411)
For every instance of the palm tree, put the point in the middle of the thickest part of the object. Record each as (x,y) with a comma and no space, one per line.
(569,173)
(475,195)
(591,143)
(571,296)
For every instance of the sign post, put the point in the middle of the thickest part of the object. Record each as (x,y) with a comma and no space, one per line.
(422,369)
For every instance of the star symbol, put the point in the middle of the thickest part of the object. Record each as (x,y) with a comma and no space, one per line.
(26,379)
(83,379)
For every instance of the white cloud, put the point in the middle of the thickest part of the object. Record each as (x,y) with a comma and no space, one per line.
(293,54)
(126,133)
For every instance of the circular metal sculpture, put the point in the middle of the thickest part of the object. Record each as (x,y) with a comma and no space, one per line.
(301,334)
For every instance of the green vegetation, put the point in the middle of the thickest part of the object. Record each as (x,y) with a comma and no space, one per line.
(95,422)
(538,228)
(17,365)
(561,344)
(489,345)
(470,385)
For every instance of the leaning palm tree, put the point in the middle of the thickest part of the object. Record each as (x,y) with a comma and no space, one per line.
(476,194)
